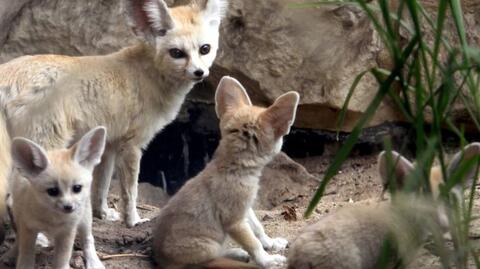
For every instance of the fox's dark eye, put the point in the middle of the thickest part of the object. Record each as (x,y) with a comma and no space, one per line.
(177,54)
(53,192)
(77,188)
(205,49)
(233,131)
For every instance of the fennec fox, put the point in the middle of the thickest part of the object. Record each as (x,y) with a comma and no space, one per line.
(404,167)
(193,226)
(135,92)
(354,237)
(50,193)
(437,178)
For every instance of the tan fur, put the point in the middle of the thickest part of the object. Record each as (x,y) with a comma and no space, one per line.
(60,216)
(192,227)
(52,99)
(353,237)
(436,179)
(402,167)
(223,263)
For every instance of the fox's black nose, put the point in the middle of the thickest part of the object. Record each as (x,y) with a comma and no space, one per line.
(199,73)
(68,208)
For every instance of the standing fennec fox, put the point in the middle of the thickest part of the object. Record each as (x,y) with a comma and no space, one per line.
(50,193)
(135,92)
(193,226)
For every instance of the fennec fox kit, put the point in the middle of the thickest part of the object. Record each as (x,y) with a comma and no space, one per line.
(193,226)
(404,167)
(51,194)
(437,178)
(354,237)
(135,92)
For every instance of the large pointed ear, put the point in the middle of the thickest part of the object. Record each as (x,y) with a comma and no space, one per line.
(393,165)
(28,157)
(88,151)
(214,11)
(149,18)
(281,114)
(469,152)
(230,95)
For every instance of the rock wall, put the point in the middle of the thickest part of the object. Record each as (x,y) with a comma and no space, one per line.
(268,45)
(271,46)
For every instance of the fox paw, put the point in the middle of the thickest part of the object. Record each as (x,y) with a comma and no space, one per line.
(42,241)
(275,244)
(273,261)
(110,214)
(94,264)
(132,222)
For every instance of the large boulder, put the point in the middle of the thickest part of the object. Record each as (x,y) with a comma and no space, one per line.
(271,46)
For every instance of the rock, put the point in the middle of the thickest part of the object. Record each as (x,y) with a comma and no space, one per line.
(283,180)
(67,27)
(8,12)
(270,46)
(148,194)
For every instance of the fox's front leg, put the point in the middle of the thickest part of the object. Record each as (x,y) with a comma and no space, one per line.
(63,249)
(88,242)
(26,247)
(102,176)
(244,236)
(268,243)
(128,163)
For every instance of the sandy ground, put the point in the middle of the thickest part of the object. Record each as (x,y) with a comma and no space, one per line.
(120,247)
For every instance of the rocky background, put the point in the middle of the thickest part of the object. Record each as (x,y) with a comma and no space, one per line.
(271,46)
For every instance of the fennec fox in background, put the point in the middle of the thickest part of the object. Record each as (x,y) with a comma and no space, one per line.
(436,179)
(51,194)
(354,237)
(135,92)
(404,166)
(193,226)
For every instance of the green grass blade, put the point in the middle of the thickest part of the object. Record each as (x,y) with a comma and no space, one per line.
(353,137)
(343,111)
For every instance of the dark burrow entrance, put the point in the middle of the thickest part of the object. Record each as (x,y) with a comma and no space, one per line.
(185,146)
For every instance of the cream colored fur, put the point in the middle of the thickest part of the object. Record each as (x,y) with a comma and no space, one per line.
(50,193)
(193,226)
(403,167)
(354,237)
(135,92)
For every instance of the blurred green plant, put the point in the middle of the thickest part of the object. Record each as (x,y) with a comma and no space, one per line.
(433,70)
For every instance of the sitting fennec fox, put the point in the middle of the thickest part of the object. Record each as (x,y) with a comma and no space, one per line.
(354,237)
(193,226)
(134,92)
(50,193)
